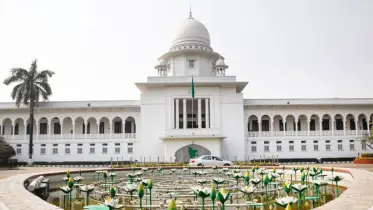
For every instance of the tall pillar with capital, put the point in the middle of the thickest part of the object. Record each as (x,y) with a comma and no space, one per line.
(308,126)
(177,114)
(296,126)
(207,113)
(61,130)
(199,114)
(356,126)
(98,129)
(25,132)
(344,127)
(368,128)
(184,113)
(284,126)
(86,129)
(49,129)
(73,124)
(333,122)
(272,125)
(320,126)
(111,129)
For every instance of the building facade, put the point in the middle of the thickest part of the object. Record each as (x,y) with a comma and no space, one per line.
(167,121)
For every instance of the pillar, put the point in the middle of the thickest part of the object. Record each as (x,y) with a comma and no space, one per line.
(309,127)
(356,126)
(132,127)
(284,126)
(177,114)
(61,130)
(111,128)
(272,122)
(207,113)
(367,126)
(86,129)
(296,126)
(49,128)
(199,114)
(14,128)
(73,124)
(333,122)
(184,114)
(25,132)
(1,129)
(320,126)
(260,127)
(344,127)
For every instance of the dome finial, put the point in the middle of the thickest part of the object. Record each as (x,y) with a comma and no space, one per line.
(190,12)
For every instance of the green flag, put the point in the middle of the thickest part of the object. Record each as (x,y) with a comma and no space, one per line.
(192,92)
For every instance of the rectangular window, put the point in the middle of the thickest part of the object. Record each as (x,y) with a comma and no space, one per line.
(253,148)
(253,142)
(80,150)
(254,125)
(130,150)
(278,142)
(327,141)
(117,150)
(19,149)
(312,125)
(266,148)
(315,142)
(16,129)
(42,151)
(352,124)
(279,148)
(281,124)
(55,151)
(118,127)
(291,142)
(325,124)
(291,148)
(339,124)
(340,147)
(327,147)
(92,150)
(67,151)
(304,148)
(104,150)
(266,142)
(191,64)
(315,147)
(265,125)
(303,142)
(352,147)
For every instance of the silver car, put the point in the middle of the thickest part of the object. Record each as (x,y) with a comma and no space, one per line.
(208,160)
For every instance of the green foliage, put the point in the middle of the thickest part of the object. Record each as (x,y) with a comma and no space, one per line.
(6,152)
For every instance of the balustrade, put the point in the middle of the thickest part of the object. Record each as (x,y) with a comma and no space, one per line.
(70,136)
(307,133)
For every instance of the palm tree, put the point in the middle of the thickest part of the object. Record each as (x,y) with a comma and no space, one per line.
(30,86)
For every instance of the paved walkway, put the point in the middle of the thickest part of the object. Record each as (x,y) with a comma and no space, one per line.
(13,195)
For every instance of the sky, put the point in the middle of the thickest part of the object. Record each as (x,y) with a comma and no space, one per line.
(99,49)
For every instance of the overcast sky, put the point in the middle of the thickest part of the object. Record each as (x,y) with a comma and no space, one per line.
(285,49)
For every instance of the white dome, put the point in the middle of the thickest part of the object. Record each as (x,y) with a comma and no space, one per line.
(162,63)
(220,62)
(192,31)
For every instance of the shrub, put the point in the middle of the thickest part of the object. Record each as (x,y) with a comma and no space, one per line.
(365,155)
(6,152)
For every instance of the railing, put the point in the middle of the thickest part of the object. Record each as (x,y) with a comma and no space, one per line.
(305,133)
(71,136)
(193,132)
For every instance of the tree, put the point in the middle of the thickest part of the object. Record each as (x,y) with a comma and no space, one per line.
(30,86)
(6,152)
(367,138)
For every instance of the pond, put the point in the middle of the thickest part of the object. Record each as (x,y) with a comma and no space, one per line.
(257,188)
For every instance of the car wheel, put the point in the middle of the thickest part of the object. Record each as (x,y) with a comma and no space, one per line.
(227,164)
(200,164)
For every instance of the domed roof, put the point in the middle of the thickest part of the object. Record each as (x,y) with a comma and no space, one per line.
(192,31)
(162,62)
(220,62)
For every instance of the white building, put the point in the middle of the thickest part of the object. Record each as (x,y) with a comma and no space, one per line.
(166,120)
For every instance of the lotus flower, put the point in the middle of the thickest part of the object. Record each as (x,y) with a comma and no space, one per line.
(218,180)
(319,182)
(336,179)
(78,179)
(236,166)
(185,169)
(66,189)
(237,176)
(236,171)
(223,196)
(172,205)
(225,169)
(87,188)
(287,187)
(130,188)
(111,203)
(202,181)
(248,190)
(284,201)
(145,169)
(214,167)
(256,181)
(299,187)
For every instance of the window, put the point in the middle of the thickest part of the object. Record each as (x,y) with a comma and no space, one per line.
(19,149)
(315,147)
(352,124)
(339,124)
(254,125)
(118,127)
(130,148)
(315,142)
(279,148)
(67,151)
(352,147)
(191,64)
(303,142)
(327,147)
(57,128)
(340,147)
(43,128)
(291,148)
(16,129)
(325,124)
(92,150)
(281,124)
(104,148)
(278,142)
(117,148)
(206,158)
(42,149)
(55,150)
(304,148)
(80,149)
(266,148)
(253,148)
(312,125)
(265,125)
(102,127)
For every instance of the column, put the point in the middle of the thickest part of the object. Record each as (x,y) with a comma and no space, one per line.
(25,132)
(111,129)
(61,130)
(184,113)
(272,125)
(177,113)
(85,129)
(309,127)
(284,126)
(260,127)
(123,127)
(320,127)
(344,127)
(13,128)
(207,113)
(49,129)
(333,122)
(356,126)
(367,126)
(73,124)
(199,114)
(296,126)
(98,129)
(37,125)
(1,129)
